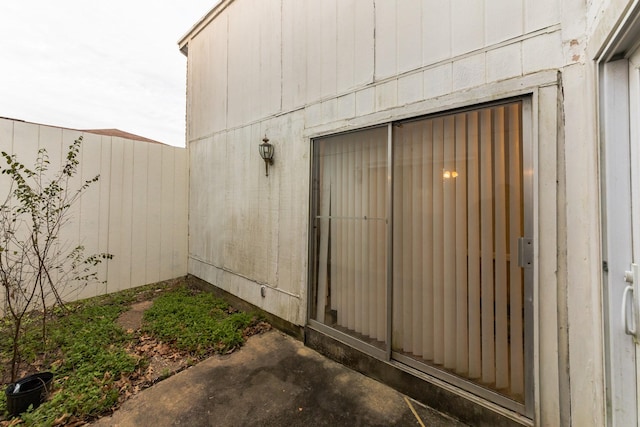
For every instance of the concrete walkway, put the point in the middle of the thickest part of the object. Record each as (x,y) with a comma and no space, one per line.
(273,380)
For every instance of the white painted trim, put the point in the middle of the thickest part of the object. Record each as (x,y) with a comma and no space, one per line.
(465,394)
(487,93)
(247,278)
(616,196)
(610,37)
(183,43)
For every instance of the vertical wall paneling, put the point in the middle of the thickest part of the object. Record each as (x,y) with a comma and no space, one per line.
(386,43)
(212,78)
(104,208)
(288,190)
(6,143)
(129,246)
(436,31)
(410,39)
(139,207)
(50,139)
(196,176)
(345,44)
(540,14)
(243,64)
(153,219)
(180,238)
(71,231)
(467,26)
(202,104)
(167,214)
(90,158)
(26,152)
(232,202)
(136,211)
(364,53)
(503,20)
(326,30)
(294,60)
(215,185)
(270,65)
(218,60)
(118,266)
(207,105)
(313,31)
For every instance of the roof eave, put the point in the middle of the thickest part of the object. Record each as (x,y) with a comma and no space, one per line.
(183,43)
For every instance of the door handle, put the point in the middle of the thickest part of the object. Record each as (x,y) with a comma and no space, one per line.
(632,277)
(629,330)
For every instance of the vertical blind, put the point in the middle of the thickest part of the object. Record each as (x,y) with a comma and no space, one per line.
(457,215)
(352,233)
(458,297)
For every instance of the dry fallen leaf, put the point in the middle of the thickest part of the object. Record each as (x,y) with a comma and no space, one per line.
(61,420)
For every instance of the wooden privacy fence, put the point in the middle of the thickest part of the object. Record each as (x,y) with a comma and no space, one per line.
(137,211)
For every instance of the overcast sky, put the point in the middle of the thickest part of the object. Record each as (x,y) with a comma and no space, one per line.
(93,64)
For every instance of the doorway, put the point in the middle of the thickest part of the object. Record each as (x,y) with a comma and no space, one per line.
(419,248)
(620,165)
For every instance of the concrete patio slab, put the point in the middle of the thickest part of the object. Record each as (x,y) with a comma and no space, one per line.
(273,380)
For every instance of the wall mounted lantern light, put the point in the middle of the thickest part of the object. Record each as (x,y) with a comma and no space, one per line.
(266,152)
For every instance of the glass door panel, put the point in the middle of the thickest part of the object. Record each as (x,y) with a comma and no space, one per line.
(454,300)
(350,234)
(458,293)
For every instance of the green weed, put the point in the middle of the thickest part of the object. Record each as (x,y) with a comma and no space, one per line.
(196,322)
(85,347)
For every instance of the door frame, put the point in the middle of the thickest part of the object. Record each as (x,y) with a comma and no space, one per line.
(526,408)
(616,239)
(615,110)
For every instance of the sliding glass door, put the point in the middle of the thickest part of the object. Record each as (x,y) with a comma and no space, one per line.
(447,286)
(457,295)
(351,234)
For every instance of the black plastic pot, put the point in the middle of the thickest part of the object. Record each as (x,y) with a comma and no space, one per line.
(31,390)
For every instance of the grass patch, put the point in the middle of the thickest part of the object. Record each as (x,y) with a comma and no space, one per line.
(196,322)
(91,355)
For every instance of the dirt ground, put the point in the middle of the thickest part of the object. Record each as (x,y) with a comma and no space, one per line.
(163,361)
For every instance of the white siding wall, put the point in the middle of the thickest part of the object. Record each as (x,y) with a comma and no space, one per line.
(290,54)
(289,68)
(137,211)
(299,69)
(237,237)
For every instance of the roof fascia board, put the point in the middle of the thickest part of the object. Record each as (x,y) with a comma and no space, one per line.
(183,43)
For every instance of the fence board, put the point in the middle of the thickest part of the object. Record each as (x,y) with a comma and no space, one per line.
(137,211)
